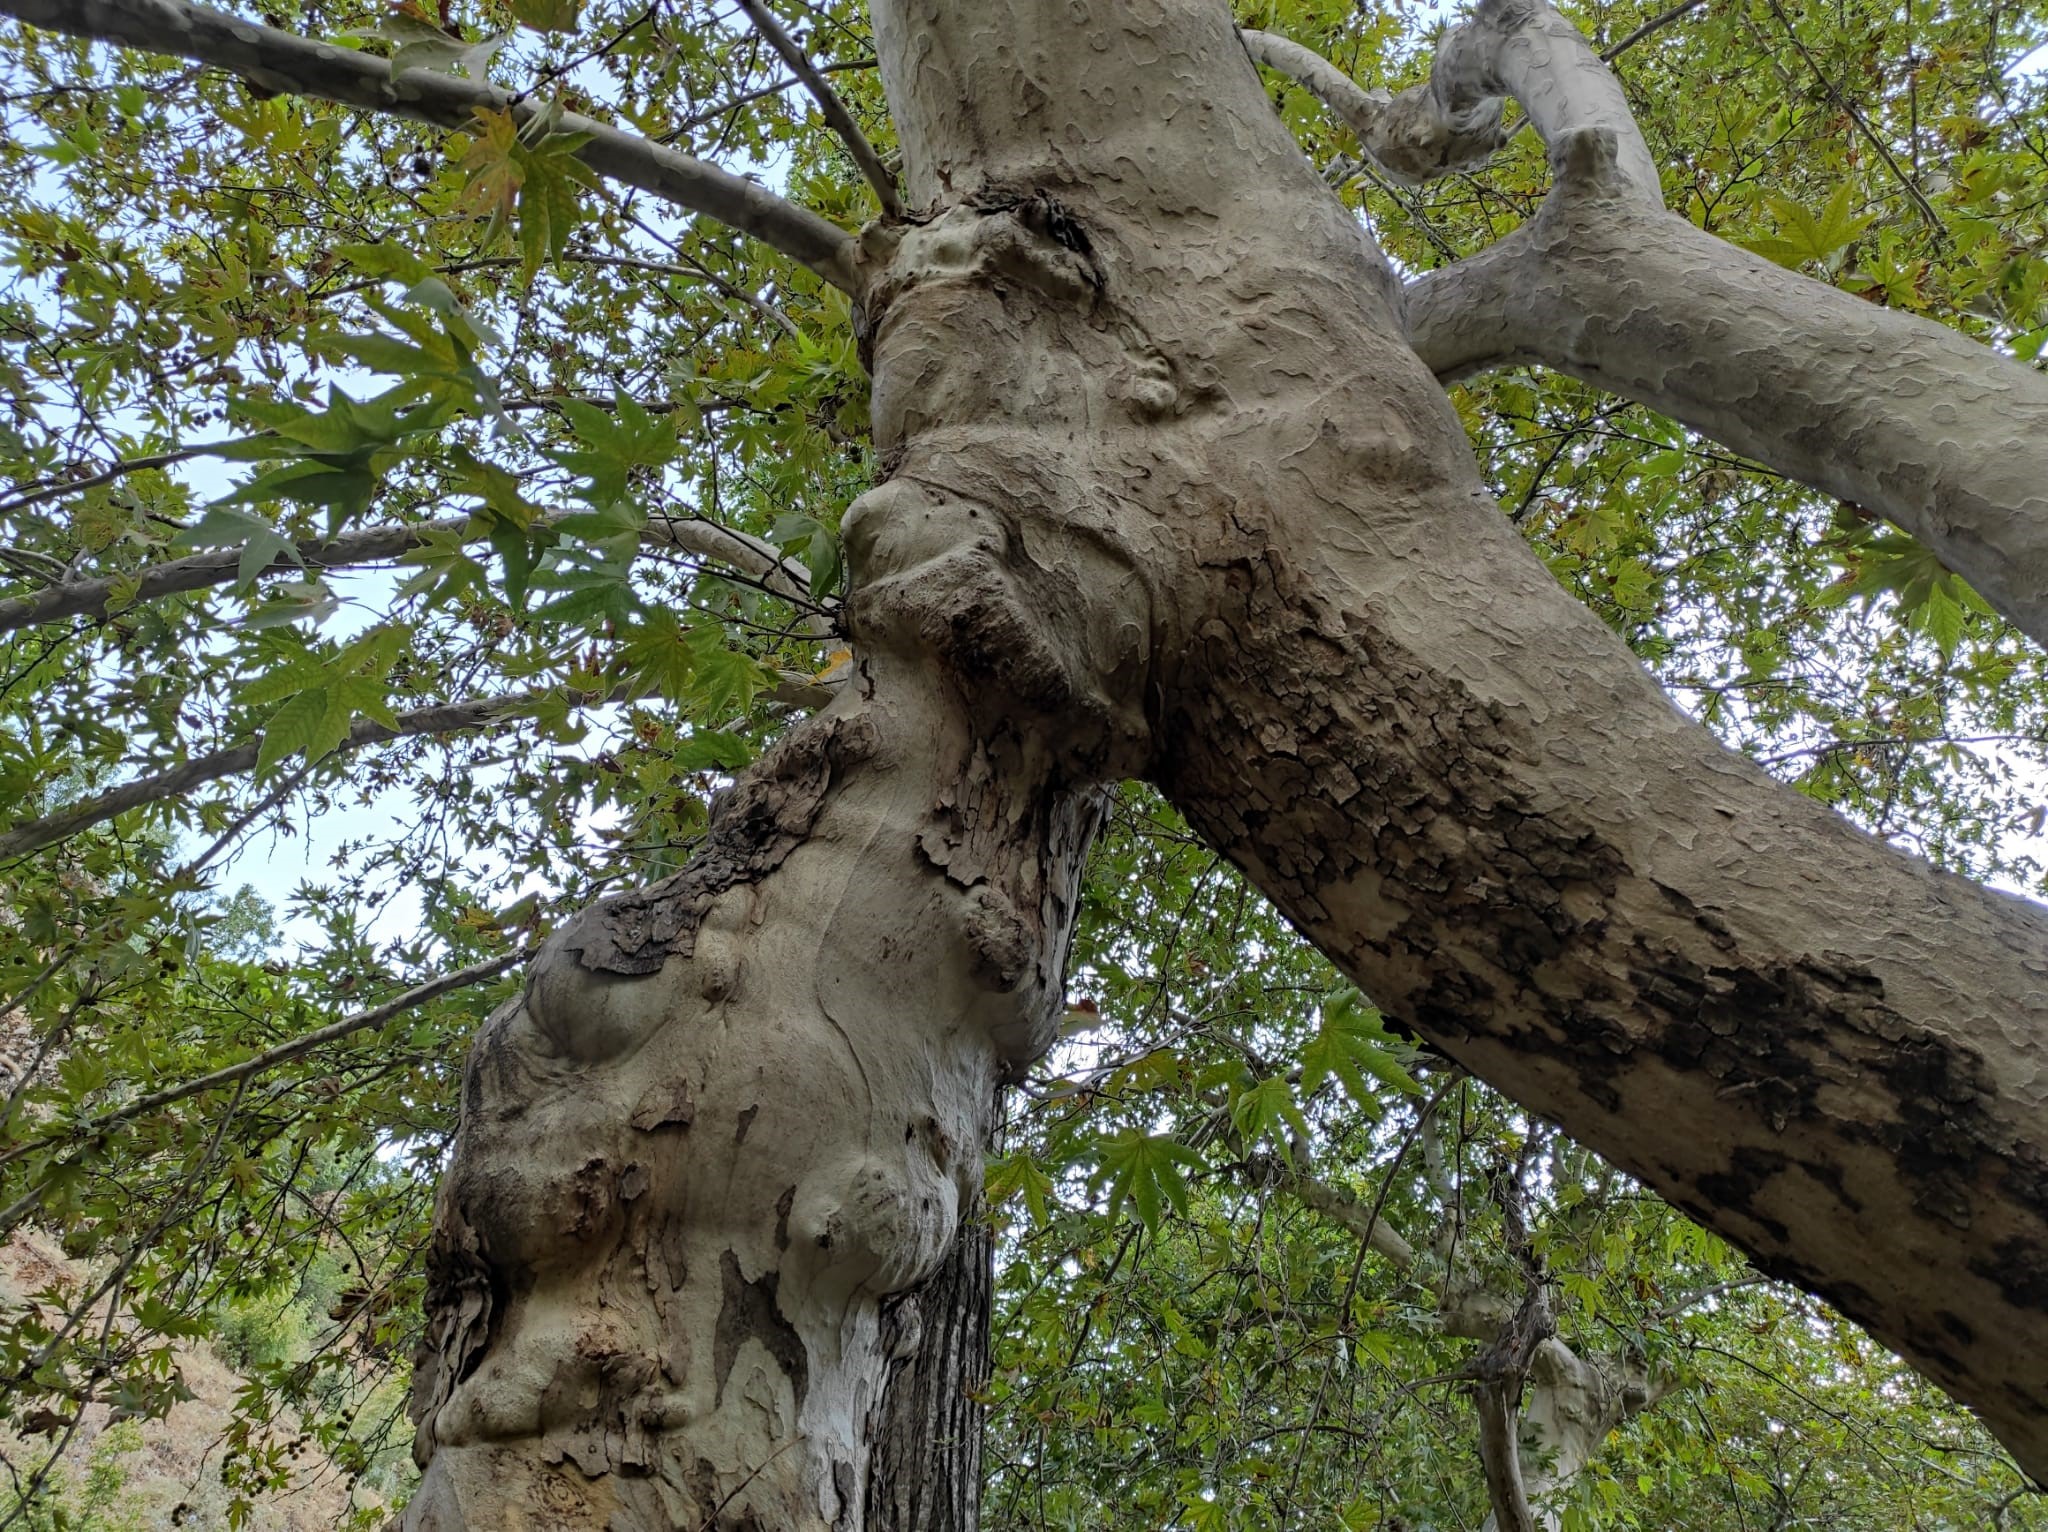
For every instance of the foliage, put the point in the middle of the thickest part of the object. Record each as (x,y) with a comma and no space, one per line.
(255,325)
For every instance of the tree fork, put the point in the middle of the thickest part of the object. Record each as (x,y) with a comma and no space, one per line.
(736,1115)
(1168,494)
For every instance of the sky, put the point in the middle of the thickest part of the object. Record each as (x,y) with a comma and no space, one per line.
(275,866)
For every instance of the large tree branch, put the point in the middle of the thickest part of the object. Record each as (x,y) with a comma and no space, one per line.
(93,598)
(291,65)
(1889,411)
(1519,48)
(1501,1457)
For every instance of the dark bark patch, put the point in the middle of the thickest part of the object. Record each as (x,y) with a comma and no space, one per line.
(590,1192)
(1736,1189)
(748,1311)
(783,1205)
(764,818)
(746,1122)
(2019,1269)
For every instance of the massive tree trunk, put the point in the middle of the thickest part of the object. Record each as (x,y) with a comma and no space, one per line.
(1155,441)
(1167,493)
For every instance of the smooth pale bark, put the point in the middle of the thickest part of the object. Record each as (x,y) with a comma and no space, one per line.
(1889,411)
(1571,1405)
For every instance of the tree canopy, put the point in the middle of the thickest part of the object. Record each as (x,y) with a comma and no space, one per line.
(423,496)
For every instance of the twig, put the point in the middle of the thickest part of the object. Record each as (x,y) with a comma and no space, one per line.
(1649,28)
(837,117)
(283,1053)
(1912,187)
(33,496)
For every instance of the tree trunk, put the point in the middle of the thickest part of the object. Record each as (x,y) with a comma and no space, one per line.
(924,1472)
(737,1111)
(1168,494)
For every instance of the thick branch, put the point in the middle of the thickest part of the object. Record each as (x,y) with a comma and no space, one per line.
(1413,137)
(1341,1206)
(1500,1455)
(290,65)
(91,598)
(1519,48)
(837,117)
(1891,412)
(1888,411)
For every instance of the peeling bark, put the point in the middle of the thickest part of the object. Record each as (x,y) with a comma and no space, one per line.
(1168,494)
(738,1114)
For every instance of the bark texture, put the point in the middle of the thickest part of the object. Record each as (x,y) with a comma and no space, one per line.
(1372,696)
(1889,411)
(1167,493)
(737,1113)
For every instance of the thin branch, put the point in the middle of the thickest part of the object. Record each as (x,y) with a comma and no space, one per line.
(36,496)
(711,279)
(441,718)
(790,690)
(1912,187)
(837,117)
(92,598)
(285,1053)
(291,65)
(1893,742)
(747,98)
(1651,27)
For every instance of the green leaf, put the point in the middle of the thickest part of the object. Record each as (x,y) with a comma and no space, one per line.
(1807,236)
(510,541)
(1353,1047)
(1018,1177)
(1148,1172)
(261,543)
(725,682)
(656,657)
(306,723)
(1262,1110)
(548,15)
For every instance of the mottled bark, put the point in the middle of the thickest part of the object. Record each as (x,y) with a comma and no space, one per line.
(1887,410)
(736,1113)
(1167,493)
(1132,329)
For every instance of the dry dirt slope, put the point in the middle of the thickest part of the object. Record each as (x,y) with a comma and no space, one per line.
(164,1474)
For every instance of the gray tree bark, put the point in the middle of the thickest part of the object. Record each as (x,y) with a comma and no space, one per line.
(1168,493)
